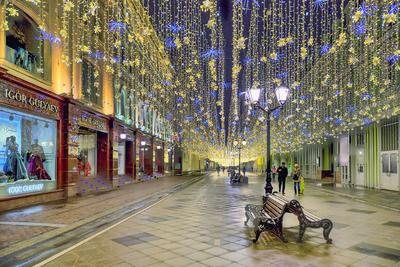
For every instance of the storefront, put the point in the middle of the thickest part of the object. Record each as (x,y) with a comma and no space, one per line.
(30,146)
(158,154)
(144,156)
(89,157)
(123,154)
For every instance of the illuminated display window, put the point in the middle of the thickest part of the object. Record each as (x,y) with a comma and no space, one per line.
(27,153)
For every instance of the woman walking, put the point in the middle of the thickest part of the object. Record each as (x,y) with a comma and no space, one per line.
(296,179)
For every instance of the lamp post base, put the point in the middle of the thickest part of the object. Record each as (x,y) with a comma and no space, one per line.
(268,186)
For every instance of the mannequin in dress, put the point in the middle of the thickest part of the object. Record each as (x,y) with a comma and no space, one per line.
(14,166)
(35,165)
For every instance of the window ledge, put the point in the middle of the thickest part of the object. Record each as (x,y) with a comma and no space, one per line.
(25,75)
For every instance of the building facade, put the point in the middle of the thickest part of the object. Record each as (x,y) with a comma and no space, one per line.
(78,108)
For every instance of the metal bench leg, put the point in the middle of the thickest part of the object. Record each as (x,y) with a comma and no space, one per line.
(327,225)
(301,232)
(258,233)
(247,219)
(278,231)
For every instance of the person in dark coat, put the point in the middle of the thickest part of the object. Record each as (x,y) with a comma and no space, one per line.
(282,174)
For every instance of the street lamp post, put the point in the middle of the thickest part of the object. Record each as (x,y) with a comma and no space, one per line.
(282,93)
(236,143)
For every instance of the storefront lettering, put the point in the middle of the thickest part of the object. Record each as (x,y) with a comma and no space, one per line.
(24,189)
(32,101)
(93,122)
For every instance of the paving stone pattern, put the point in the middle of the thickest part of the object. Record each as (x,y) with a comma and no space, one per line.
(202,225)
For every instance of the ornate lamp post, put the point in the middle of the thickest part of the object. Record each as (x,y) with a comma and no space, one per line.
(253,95)
(239,147)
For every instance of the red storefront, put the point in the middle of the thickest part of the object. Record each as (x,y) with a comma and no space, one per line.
(88,150)
(31,138)
(159,151)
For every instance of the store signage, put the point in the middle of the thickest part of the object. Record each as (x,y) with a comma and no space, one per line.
(25,189)
(31,101)
(92,122)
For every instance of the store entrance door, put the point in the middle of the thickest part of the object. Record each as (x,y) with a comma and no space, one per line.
(389,174)
(360,168)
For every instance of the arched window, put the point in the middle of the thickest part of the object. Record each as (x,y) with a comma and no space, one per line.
(24,46)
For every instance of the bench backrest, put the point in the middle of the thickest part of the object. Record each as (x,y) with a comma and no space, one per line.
(274,207)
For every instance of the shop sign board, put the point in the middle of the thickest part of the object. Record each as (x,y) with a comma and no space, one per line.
(26,187)
(29,101)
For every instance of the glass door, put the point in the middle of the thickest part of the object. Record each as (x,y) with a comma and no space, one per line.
(390,174)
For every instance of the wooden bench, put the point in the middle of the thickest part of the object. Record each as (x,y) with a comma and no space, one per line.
(306,218)
(267,217)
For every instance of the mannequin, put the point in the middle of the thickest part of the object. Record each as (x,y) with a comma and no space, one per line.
(14,165)
(35,165)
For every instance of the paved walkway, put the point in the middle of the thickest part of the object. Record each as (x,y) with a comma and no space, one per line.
(25,223)
(380,198)
(202,225)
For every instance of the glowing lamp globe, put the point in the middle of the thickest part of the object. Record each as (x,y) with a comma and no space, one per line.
(253,94)
(282,93)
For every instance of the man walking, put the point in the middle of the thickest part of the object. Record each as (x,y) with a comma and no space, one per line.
(282,174)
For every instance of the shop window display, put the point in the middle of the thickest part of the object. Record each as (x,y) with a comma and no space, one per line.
(27,153)
(87,159)
(23,45)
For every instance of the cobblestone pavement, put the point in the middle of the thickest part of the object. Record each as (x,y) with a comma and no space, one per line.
(202,225)
(63,213)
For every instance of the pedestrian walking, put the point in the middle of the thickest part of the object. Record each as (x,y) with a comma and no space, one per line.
(218,169)
(282,174)
(296,179)
(244,170)
(223,169)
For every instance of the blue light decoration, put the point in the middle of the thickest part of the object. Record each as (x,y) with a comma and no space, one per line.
(327,119)
(325,49)
(392,59)
(167,83)
(204,122)
(360,29)
(189,118)
(281,75)
(169,117)
(320,3)
(179,99)
(49,37)
(367,121)
(115,26)
(226,85)
(246,3)
(351,109)
(366,96)
(338,121)
(276,113)
(305,97)
(337,93)
(170,43)
(214,94)
(247,60)
(368,10)
(197,129)
(394,8)
(211,54)
(175,28)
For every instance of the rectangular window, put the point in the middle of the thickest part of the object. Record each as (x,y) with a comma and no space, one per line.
(27,153)
(91,83)
(87,160)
